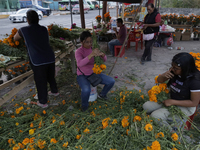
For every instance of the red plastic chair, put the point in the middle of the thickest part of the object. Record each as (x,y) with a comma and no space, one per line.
(188,123)
(135,36)
(117,50)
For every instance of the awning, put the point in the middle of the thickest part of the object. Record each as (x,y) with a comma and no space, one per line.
(124,1)
(47,2)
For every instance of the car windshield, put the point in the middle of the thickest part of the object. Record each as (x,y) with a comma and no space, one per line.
(21,11)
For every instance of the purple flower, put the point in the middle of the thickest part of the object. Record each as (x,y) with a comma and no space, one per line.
(62,38)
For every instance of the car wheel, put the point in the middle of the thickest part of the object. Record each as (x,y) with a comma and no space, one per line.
(40,17)
(87,11)
(24,19)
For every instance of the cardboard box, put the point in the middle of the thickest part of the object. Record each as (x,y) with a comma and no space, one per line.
(186,36)
(177,36)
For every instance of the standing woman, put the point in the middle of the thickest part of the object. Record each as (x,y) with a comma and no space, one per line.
(85,62)
(150,28)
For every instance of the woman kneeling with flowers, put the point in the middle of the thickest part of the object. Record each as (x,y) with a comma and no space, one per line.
(85,62)
(184,84)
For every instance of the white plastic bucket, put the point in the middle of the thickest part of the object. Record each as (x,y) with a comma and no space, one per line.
(93,94)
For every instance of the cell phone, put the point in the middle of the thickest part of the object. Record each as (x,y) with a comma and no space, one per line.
(172,72)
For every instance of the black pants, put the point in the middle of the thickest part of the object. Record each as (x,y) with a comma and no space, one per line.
(148,50)
(42,75)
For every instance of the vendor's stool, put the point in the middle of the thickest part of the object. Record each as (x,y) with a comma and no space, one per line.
(117,50)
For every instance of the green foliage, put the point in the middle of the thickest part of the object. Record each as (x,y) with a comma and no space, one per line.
(57,44)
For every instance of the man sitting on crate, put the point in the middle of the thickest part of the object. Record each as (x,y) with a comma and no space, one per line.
(121,36)
(41,55)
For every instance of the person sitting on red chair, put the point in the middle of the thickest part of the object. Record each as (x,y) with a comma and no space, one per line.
(121,36)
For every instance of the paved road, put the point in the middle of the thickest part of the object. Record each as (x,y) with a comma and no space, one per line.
(64,20)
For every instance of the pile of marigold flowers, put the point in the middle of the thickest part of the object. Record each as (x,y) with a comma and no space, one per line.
(113,124)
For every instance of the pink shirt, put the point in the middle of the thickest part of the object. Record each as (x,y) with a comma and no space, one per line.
(84,64)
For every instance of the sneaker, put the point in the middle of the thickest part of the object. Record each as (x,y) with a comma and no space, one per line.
(42,105)
(102,97)
(54,94)
(142,61)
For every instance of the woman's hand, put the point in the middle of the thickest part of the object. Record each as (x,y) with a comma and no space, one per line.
(168,74)
(101,54)
(145,26)
(95,52)
(168,102)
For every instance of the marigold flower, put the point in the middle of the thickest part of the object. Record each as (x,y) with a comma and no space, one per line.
(16,147)
(174,136)
(105,122)
(62,123)
(20,131)
(174,148)
(31,131)
(2,113)
(125,122)
(137,118)
(160,134)
(148,127)
(78,136)
(31,125)
(26,141)
(114,121)
(32,140)
(16,123)
(134,110)
(65,144)
(142,96)
(53,141)
(127,131)
(155,146)
(103,66)
(20,145)
(86,130)
(44,112)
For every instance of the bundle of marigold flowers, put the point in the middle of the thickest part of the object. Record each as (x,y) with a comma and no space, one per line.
(98,18)
(158,93)
(99,65)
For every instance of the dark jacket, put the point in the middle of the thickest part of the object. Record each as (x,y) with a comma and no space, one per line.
(150,19)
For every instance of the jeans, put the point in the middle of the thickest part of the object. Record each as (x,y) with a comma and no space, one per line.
(85,87)
(157,111)
(112,44)
(42,75)
(148,50)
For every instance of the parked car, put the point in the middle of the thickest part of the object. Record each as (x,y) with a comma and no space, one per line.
(45,11)
(91,5)
(76,8)
(20,15)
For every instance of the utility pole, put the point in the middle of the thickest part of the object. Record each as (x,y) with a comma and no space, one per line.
(82,14)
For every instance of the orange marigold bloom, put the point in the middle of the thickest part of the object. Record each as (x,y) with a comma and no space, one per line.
(53,141)
(114,121)
(86,130)
(65,144)
(174,136)
(78,136)
(137,118)
(44,112)
(160,134)
(62,123)
(125,122)
(26,141)
(32,140)
(148,127)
